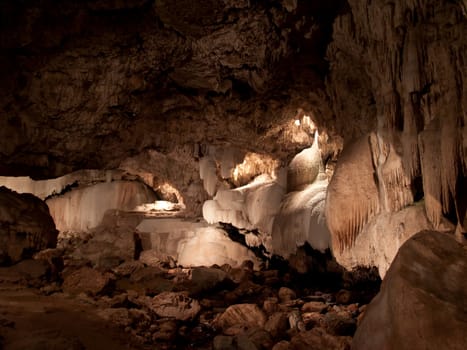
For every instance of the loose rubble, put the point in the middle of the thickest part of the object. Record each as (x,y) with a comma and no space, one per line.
(217,307)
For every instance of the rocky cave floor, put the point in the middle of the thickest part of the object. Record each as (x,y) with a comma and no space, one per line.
(56,301)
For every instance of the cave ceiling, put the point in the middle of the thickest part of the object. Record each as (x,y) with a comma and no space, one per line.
(87,84)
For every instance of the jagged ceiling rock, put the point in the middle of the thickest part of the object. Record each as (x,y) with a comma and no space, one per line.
(85,85)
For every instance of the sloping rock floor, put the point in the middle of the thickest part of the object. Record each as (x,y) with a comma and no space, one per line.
(46,305)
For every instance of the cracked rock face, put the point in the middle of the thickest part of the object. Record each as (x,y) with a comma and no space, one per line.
(88,85)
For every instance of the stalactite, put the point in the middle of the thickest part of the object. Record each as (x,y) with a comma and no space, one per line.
(352,196)
(429,157)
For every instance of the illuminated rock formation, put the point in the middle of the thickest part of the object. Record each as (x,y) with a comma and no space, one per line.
(83,209)
(190,244)
(421,304)
(185,96)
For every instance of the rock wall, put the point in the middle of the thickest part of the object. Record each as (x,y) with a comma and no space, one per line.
(25,226)
(398,73)
(151,86)
(90,84)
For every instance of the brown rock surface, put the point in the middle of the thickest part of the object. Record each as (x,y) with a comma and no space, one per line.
(422,302)
(32,321)
(101,83)
(245,315)
(394,73)
(25,226)
(319,339)
(176,305)
(85,280)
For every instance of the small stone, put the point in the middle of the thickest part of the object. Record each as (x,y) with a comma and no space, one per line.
(50,289)
(235,330)
(286,294)
(339,324)
(314,306)
(296,321)
(317,338)
(118,316)
(167,330)
(277,324)
(222,342)
(204,279)
(175,304)
(282,345)
(271,277)
(86,280)
(127,268)
(312,319)
(270,305)
(343,297)
(248,315)
(247,265)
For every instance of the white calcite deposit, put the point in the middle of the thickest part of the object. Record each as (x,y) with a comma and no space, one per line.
(83,209)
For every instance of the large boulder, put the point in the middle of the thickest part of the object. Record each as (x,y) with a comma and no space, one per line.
(423,299)
(211,246)
(86,280)
(111,243)
(25,226)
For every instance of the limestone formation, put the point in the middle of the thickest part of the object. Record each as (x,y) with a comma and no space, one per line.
(47,188)
(406,79)
(190,243)
(304,168)
(421,304)
(26,226)
(239,113)
(212,246)
(301,220)
(352,195)
(380,239)
(84,208)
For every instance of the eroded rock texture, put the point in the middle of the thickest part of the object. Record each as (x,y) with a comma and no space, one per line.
(422,300)
(182,94)
(87,85)
(25,226)
(83,209)
(398,72)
